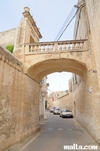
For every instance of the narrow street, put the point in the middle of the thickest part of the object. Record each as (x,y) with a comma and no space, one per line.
(55,133)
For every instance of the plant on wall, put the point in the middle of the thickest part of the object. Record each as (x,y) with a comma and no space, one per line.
(10,48)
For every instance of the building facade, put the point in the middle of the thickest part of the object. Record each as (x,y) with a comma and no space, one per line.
(87,99)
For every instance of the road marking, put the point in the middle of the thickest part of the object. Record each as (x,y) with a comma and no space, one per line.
(29,142)
(69,129)
(60,129)
(43,123)
(50,128)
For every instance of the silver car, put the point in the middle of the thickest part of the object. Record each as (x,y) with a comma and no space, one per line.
(52,109)
(56,111)
(66,113)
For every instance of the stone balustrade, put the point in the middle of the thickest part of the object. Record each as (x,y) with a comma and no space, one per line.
(59,46)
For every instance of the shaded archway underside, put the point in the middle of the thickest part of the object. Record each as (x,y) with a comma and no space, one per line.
(41,69)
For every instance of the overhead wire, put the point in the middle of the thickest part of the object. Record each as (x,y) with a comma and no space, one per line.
(67,22)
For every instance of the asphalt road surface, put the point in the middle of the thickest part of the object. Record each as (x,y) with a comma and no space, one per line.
(55,134)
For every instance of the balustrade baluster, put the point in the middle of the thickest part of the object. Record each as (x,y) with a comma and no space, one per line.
(60,46)
(47,48)
(51,48)
(81,45)
(55,48)
(64,47)
(39,48)
(73,46)
(30,48)
(69,46)
(43,48)
(35,48)
(77,46)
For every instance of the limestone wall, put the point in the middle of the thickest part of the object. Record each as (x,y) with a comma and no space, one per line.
(65,102)
(86,107)
(19,101)
(7,37)
(86,95)
(93,11)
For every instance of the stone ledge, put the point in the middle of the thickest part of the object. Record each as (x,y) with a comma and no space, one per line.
(6,56)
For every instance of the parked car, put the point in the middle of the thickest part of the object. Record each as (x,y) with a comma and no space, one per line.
(62,110)
(52,109)
(66,113)
(56,111)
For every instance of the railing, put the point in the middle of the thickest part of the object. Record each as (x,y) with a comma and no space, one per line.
(59,46)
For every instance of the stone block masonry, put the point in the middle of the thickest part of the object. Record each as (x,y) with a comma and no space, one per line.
(86,95)
(19,101)
(7,37)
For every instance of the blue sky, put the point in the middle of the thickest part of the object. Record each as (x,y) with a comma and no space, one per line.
(49,16)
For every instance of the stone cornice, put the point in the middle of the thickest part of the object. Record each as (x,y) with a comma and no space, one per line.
(27,15)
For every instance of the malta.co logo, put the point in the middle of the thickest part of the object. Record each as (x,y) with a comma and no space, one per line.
(80,147)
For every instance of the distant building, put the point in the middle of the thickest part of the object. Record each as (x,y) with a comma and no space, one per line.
(60,99)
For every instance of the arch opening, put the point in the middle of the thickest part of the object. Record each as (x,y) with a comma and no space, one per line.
(43,68)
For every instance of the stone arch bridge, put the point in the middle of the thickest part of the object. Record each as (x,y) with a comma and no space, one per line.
(43,58)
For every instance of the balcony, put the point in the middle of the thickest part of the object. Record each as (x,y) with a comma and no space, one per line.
(59,46)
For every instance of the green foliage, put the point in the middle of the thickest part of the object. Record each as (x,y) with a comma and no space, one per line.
(46,104)
(10,48)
